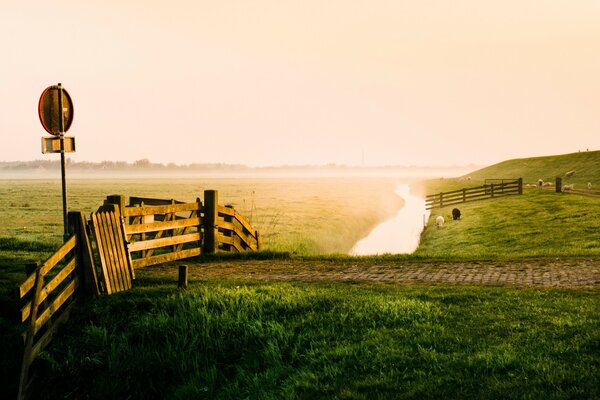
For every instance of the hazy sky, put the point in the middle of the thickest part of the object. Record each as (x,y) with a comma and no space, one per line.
(305,82)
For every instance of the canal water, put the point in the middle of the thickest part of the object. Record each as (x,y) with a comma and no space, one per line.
(401,233)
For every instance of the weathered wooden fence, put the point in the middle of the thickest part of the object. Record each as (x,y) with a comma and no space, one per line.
(492,189)
(159,231)
(126,237)
(50,291)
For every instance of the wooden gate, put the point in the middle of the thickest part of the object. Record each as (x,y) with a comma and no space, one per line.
(112,249)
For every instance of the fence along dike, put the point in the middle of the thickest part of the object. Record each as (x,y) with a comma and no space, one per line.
(174,229)
(487,191)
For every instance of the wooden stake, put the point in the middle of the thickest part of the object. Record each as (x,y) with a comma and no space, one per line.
(183,276)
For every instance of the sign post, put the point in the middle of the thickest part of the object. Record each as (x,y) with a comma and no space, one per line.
(55,110)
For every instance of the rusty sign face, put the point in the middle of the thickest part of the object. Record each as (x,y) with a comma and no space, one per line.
(55,110)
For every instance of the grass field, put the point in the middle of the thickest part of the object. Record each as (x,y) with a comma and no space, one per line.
(303,216)
(236,338)
(539,223)
(251,339)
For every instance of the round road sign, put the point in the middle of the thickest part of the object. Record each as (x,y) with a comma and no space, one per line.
(54,120)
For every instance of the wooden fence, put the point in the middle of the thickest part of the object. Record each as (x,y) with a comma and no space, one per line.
(50,291)
(159,231)
(145,232)
(489,190)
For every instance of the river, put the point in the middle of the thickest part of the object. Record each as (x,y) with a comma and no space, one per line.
(399,234)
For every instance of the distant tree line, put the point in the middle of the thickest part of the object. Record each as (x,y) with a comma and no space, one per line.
(148,166)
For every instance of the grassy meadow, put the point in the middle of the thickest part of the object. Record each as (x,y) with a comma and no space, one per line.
(256,339)
(261,340)
(302,216)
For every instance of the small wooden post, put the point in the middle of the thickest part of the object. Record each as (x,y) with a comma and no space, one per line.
(211,212)
(464,195)
(441,199)
(558,185)
(492,190)
(520,185)
(183,276)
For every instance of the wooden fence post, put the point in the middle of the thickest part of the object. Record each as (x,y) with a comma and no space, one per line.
(118,200)
(492,190)
(78,226)
(183,276)
(558,185)
(520,185)
(211,212)
(441,199)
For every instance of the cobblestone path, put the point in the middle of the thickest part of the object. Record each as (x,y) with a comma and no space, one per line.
(573,274)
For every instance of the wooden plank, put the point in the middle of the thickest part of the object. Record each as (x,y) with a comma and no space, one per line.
(188,229)
(121,265)
(109,254)
(50,286)
(106,277)
(232,241)
(55,305)
(45,339)
(168,241)
(159,234)
(48,265)
(231,212)
(249,229)
(115,248)
(163,258)
(152,201)
(248,239)
(162,226)
(228,211)
(166,209)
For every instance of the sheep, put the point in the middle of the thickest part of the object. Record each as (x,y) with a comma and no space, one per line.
(439,221)
(569,187)
(547,184)
(589,185)
(570,173)
(540,182)
(455,214)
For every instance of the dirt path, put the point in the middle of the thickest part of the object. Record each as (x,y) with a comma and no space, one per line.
(572,274)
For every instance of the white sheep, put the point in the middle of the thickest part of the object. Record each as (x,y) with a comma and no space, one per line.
(439,221)
(540,182)
(589,185)
(569,187)
(570,174)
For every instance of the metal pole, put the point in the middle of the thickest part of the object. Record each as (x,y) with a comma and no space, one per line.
(62,161)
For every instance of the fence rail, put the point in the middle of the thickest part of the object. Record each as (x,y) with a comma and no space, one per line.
(489,190)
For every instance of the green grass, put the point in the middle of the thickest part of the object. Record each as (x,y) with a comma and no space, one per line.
(585,164)
(537,224)
(303,216)
(260,340)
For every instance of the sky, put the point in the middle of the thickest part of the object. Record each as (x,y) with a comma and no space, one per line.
(268,83)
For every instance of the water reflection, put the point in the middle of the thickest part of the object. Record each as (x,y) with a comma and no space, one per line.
(399,234)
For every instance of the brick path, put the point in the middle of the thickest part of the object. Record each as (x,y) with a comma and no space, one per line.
(573,274)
